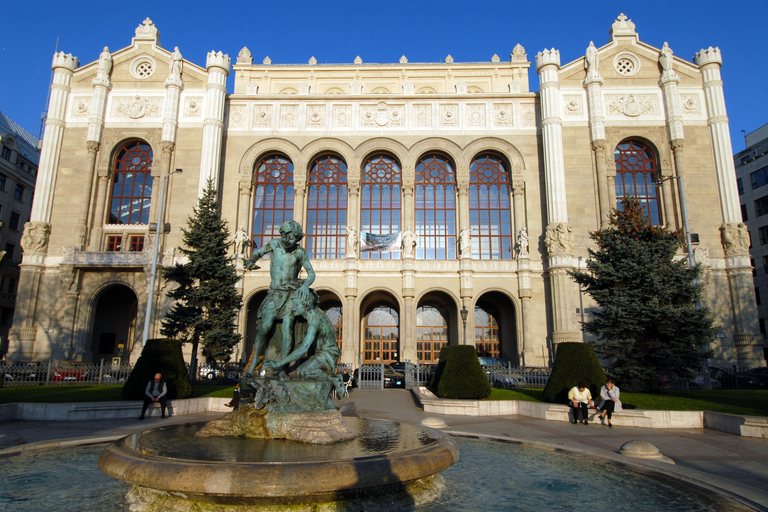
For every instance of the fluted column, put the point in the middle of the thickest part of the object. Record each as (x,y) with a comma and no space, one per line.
(217,65)
(673,114)
(738,268)
(594,85)
(408,271)
(559,235)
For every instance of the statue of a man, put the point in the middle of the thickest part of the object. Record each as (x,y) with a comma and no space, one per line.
(174,66)
(321,365)
(288,258)
(665,58)
(241,241)
(408,242)
(465,241)
(105,65)
(352,241)
(522,242)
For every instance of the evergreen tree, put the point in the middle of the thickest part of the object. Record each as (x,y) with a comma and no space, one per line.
(649,324)
(207,300)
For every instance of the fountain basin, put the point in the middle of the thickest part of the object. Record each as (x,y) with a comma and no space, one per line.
(386,457)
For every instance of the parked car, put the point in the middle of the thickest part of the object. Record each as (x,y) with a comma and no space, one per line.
(757,375)
(392,378)
(209,372)
(402,366)
(24,370)
(492,361)
(730,379)
(70,371)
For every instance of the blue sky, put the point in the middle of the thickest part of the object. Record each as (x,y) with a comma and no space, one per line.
(422,30)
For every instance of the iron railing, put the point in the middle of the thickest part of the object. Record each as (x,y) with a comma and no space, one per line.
(47,373)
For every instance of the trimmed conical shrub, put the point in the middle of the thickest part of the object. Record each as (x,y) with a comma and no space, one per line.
(459,374)
(159,356)
(574,363)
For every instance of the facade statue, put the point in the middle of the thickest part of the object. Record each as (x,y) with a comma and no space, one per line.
(242,241)
(465,242)
(665,59)
(409,241)
(321,335)
(35,238)
(592,61)
(735,237)
(559,238)
(522,242)
(352,241)
(288,258)
(174,66)
(105,65)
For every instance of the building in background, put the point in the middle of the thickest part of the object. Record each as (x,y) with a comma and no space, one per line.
(752,178)
(19,158)
(478,194)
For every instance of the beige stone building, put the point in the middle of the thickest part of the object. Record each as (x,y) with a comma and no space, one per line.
(484,192)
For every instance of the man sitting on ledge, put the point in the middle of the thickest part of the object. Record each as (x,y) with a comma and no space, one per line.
(155,392)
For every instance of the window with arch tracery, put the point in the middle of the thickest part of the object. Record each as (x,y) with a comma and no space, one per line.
(327,208)
(636,170)
(489,208)
(380,184)
(336,316)
(487,334)
(381,333)
(435,214)
(132,184)
(431,332)
(273,199)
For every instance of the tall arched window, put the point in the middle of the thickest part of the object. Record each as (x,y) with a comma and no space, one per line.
(431,332)
(489,209)
(327,208)
(636,170)
(487,335)
(132,184)
(273,202)
(381,333)
(380,184)
(435,208)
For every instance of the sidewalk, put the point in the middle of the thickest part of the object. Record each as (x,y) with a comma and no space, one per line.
(736,466)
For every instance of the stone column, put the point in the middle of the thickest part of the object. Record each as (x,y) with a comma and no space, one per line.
(351,352)
(94,243)
(525,348)
(408,270)
(593,84)
(409,206)
(299,195)
(217,65)
(244,208)
(674,119)
(735,236)
(559,235)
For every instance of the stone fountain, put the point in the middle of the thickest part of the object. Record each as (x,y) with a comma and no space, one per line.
(287,447)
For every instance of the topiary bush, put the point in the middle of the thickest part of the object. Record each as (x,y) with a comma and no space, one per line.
(159,356)
(574,363)
(459,374)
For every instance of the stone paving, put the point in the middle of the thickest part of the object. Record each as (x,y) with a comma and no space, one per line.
(736,466)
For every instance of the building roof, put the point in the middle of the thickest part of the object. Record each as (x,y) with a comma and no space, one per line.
(28,144)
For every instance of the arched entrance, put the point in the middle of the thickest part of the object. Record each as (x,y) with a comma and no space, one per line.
(436,326)
(114,324)
(496,327)
(331,304)
(381,330)
(251,323)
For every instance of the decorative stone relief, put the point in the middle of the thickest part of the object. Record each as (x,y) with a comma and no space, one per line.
(632,105)
(342,116)
(137,107)
(622,26)
(356,87)
(80,107)
(461,88)
(267,61)
(502,114)
(449,115)
(193,106)
(573,106)
(409,88)
(514,86)
(147,31)
(358,60)
(559,238)
(528,111)
(142,67)
(244,57)
(262,117)
(690,104)
(701,255)
(289,115)
(626,64)
(495,58)
(316,116)
(382,115)
(304,88)
(312,61)
(252,87)
(449,59)
(74,257)
(476,115)
(735,237)
(35,238)
(423,116)
(403,60)
(518,54)
(237,116)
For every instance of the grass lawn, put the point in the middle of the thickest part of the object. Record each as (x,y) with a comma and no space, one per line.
(751,402)
(58,394)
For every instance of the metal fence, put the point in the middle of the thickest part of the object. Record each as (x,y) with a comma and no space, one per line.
(509,377)
(65,374)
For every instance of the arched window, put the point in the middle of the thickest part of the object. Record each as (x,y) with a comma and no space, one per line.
(327,208)
(487,335)
(132,184)
(435,196)
(380,184)
(431,332)
(636,170)
(335,315)
(381,335)
(273,202)
(489,209)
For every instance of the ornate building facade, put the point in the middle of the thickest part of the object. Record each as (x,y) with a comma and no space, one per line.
(491,189)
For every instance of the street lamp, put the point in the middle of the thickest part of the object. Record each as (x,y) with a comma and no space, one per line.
(464,314)
(158,228)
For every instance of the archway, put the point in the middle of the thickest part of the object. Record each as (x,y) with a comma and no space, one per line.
(436,326)
(334,310)
(114,324)
(496,327)
(381,329)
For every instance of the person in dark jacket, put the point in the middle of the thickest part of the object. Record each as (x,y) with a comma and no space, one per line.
(156,392)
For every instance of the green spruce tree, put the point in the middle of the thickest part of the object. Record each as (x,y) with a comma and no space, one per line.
(207,300)
(649,325)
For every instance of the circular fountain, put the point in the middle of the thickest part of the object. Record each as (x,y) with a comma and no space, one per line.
(172,469)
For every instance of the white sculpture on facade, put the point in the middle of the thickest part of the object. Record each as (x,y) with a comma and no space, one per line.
(241,241)
(352,241)
(409,241)
(522,243)
(559,238)
(105,65)
(174,66)
(465,241)
(592,61)
(665,61)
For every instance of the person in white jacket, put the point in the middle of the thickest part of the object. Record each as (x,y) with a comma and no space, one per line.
(611,403)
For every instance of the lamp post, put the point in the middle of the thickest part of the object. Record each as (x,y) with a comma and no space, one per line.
(464,314)
(153,273)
